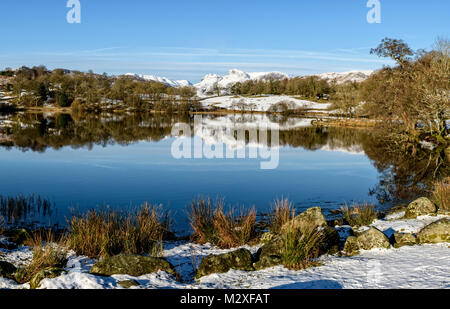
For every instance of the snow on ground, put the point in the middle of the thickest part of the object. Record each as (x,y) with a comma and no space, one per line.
(425,266)
(413,226)
(261,103)
(420,266)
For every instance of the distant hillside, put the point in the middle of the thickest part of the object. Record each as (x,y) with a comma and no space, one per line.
(341,78)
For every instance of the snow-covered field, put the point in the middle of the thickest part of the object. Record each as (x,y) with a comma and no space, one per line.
(420,266)
(262,103)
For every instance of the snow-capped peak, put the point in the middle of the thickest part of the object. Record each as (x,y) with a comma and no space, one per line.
(212,82)
(343,77)
(163,80)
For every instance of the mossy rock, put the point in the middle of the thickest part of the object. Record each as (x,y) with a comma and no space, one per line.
(437,232)
(351,246)
(267,237)
(420,207)
(368,240)
(48,273)
(372,239)
(267,261)
(126,284)
(403,239)
(330,239)
(313,217)
(357,231)
(7,270)
(215,264)
(17,236)
(133,265)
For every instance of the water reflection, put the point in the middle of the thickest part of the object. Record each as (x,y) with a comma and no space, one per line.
(312,172)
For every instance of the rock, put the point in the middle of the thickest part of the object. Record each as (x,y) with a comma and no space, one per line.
(17,236)
(271,248)
(48,273)
(351,246)
(269,255)
(133,265)
(356,231)
(436,232)
(372,239)
(420,207)
(240,260)
(126,284)
(312,217)
(7,270)
(403,239)
(267,261)
(267,237)
(330,239)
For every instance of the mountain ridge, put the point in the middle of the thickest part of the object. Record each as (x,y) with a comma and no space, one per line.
(210,83)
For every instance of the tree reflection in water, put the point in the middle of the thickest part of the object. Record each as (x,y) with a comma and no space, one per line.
(406,170)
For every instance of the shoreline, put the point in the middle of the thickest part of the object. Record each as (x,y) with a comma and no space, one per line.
(398,264)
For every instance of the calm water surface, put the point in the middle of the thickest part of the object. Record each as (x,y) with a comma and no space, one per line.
(118,161)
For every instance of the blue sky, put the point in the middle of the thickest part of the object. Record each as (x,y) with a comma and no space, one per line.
(184,39)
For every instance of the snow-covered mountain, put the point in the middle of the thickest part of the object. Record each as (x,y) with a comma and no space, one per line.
(164,80)
(341,78)
(211,81)
(209,84)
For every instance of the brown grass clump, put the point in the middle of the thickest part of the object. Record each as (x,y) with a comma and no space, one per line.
(109,232)
(301,247)
(441,194)
(47,253)
(234,230)
(201,217)
(224,229)
(282,212)
(359,215)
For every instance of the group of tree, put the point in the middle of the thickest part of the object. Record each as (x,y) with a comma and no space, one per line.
(308,87)
(413,95)
(37,85)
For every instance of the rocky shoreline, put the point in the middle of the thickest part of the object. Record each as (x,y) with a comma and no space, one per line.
(185,265)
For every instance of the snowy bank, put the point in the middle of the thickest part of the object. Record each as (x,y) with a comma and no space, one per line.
(410,267)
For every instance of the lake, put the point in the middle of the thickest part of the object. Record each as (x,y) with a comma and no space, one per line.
(88,161)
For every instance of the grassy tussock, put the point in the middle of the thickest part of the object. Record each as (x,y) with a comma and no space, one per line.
(441,194)
(38,237)
(109,232)
(233,229)
(359,215)
(301,247)
(224,229)
(201,218)
(282,212)
(47,252)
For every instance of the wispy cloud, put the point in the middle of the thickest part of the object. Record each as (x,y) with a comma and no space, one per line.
(193,63)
